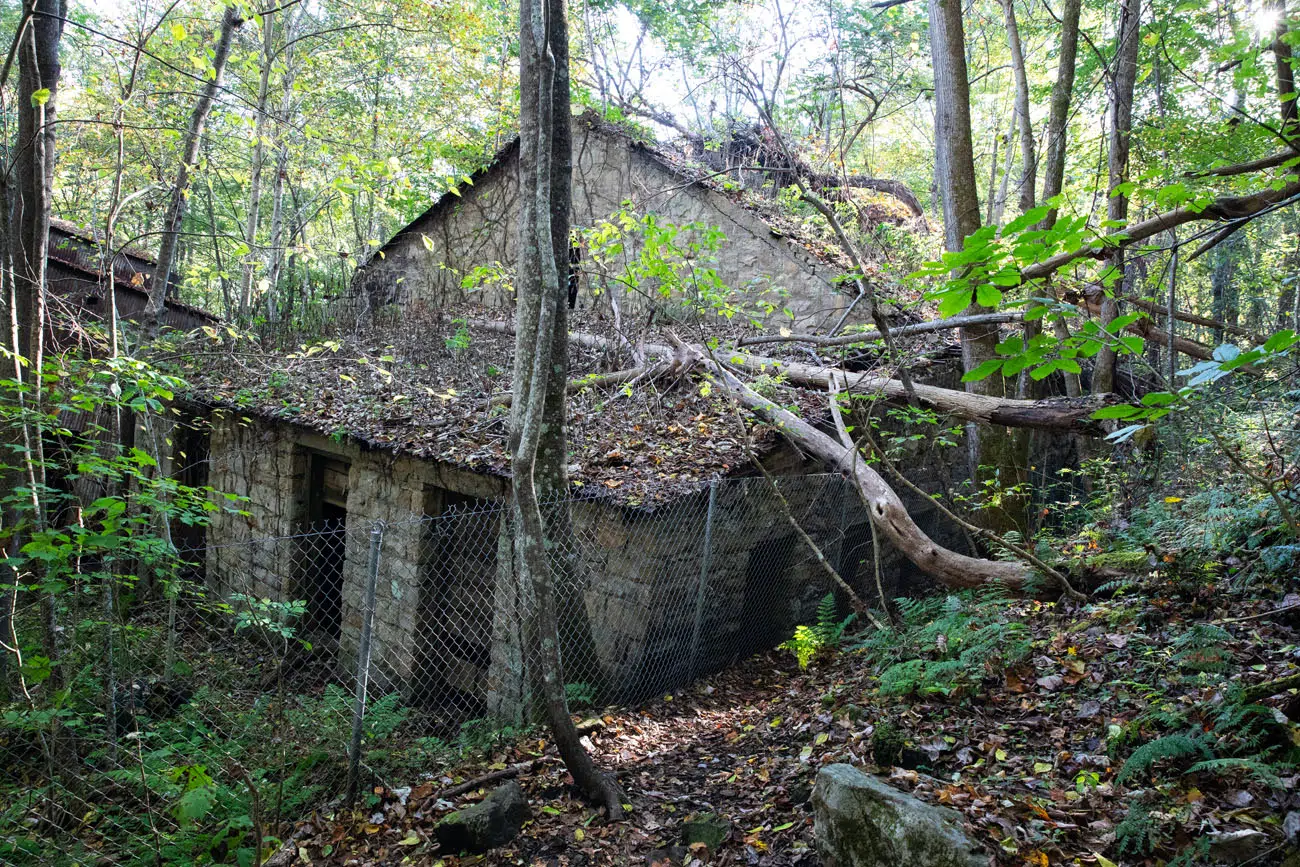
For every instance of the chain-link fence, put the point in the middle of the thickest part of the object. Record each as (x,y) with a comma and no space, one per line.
(195,712)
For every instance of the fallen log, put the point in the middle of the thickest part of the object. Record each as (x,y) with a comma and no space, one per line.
(1057,413)
(1073,414)
(593,380)
(1270,688)
(886,508)
(1147,330)
(896,330)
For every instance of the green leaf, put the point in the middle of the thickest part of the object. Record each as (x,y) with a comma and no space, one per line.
(984,371)
(1283,339)
(988,296)
(1120,411)
(1043,371)
(195,804)
(1133,344)
(1025,220)
(40,97)
(1159,398)
(1119,323)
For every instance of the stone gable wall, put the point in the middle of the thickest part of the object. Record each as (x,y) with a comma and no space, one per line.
(426,262)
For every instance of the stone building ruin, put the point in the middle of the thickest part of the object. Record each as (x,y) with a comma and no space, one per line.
(414,431)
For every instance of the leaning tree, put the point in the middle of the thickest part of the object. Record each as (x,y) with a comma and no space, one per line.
(537,418)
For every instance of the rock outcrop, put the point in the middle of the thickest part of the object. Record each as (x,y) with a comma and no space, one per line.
(492,822)
(860,821)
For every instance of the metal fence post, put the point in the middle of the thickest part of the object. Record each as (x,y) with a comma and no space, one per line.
(363,662)
(704,577)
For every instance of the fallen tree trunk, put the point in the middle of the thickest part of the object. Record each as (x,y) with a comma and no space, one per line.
(1061,413)
(896,189)
(886,508)
(895,330)
(1146,329)
(1058,414)
(595,380)
(888,513)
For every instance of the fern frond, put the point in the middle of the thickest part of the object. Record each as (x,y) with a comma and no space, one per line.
(903,678)
(1135,834)
(1167,747)
(1202,649)
(1259,770)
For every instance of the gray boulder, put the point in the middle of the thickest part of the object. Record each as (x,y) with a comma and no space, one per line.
(859,821)
(492,822)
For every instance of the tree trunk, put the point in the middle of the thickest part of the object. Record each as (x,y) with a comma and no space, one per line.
(993,452)
(1223,286)
(255,172)
(1058,120)
(1286,92)
(1057,125)
(1008,157)
(888,514)
(1028,163)
(276,254)
(33,168)
(534,439)
(1121,125)
(29,224)
(230,21)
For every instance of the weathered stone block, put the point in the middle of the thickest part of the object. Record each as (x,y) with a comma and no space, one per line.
(860,821)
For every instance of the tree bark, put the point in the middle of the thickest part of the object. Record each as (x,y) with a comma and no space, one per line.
(993,452)
(888,513)
(1028,163)
(275,256)
(895,330)
(33,167)
(534,438)
(896,189)
(1222,209)
(1059,117)
(1120,128)
(255,172)
(37,50)
(1223,287)
(230,21)
(1054,161)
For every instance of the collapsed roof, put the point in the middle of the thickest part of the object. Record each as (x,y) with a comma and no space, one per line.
(433,387)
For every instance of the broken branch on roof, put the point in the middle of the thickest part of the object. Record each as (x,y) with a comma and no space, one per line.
(1063,414)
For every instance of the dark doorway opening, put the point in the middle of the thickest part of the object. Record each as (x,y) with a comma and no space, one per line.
(325,546)
(766,615)
(455,619)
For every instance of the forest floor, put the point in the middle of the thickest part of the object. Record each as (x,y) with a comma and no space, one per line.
(1028,752)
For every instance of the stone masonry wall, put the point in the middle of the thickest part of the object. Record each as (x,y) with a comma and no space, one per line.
(267,462)
(426,262)
(656,618)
